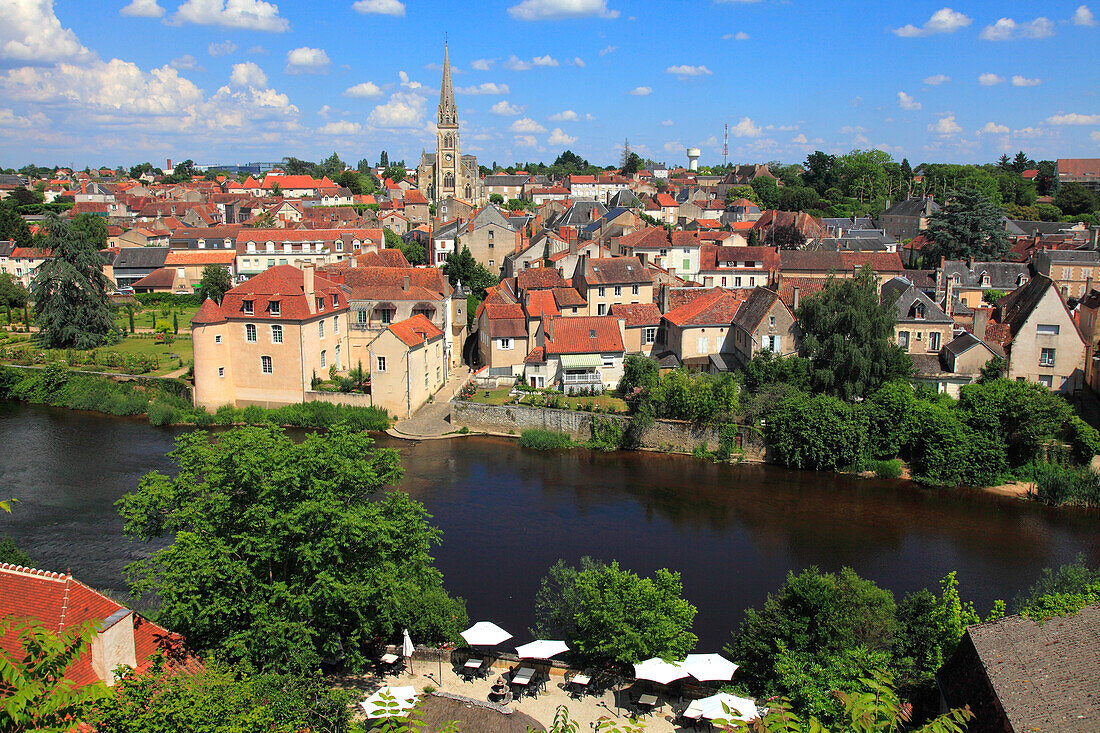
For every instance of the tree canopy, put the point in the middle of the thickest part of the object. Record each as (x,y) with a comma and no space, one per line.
(970,224)
(283,555)
(460,266)
(214,283)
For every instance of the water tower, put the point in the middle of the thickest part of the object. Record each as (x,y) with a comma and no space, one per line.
(693,158)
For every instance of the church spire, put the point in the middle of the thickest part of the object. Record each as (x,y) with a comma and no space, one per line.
(448,114)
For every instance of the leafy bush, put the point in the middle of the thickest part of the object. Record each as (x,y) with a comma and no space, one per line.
(819,432)
(887,469)
(541,439)
(607,435)
(161,413)
(1057,485)
(1085,439)
(254,415)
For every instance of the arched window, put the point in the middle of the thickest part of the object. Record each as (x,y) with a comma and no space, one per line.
(448,142)
(467,191)
(448,180)
(956,279)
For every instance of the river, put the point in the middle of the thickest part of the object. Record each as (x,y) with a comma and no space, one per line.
(508,513)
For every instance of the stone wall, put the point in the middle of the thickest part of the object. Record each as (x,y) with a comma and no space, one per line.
(351,399)
(668,435)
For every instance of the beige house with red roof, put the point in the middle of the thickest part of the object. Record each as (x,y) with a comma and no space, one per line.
(642,322)
(737,267)
(268,338)
(502,337)
(189,264)
(702,326)
(577,353)
(604,281)
(21,262)
(408,364)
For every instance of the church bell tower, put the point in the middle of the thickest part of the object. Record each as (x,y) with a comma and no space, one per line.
(447,158)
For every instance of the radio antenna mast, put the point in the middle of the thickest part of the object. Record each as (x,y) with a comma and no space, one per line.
(726,144)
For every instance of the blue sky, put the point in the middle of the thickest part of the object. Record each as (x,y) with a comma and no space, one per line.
(123,81)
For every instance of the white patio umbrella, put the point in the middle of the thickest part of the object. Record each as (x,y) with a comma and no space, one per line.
(740,708)
(541,649)
(390,702)
(659,671)
(485,633)
(407,648)
(709,667)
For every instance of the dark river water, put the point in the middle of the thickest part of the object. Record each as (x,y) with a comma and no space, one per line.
(508,513)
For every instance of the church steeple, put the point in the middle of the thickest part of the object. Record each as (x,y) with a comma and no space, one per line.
(448,114)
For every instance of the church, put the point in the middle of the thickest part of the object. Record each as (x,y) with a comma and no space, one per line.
(447,172)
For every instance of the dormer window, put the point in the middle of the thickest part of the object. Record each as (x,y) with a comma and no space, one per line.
(985,281)
(956,279)
(336,301)
(591,333)
(917,311)
(320,304)
(274,308)
(247,307)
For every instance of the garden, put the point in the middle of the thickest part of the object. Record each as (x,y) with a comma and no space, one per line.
(609,403)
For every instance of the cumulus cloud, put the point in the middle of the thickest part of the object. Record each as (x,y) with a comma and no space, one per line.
(406,82)
(187,62)
(944,20)
(992,128)
(143,9)
(1023,81)
(306,60)
(907,103)
(403,110)
(667,123)
(546,60)
(1006,29)
(1073,118)
(608,49)
(560,9)
(505,109)
(488,88)
(563,116)
(515,63)
(525,141)
(558,137)
(9,120)
(482,64)
(364,90)
(945,126)
(247,74)
(340,127)
(989,79)
(641,91)
(224,48)
(253,15)
(937,79)
(32,34)
(800,139)
(526,125)
(579,62)
(380,7)
(1083,16)
(745,127)
(738,36)
(686,70)
(673,146)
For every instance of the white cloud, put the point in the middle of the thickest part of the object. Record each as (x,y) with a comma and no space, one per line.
(340,127)
(558,137)
(143,9)
(989,79)
(992,128)
(187,62)
(487,88)
(247,74)
(589,116)
(526,124)
(800,139)
(1095,135)
(944,20)
(746,128)
(482,64)
(306,60)
(907,103)
(667,123)
(380,7)
(563,116)
(404,109)
(738,36)
(325,109)
(641,91)
(1023,81)
(255,15)
(1006,29)
(8,119)
(852,130)
(505,109)
(1073,118)
(945,126)
(1083,16)
(224,48)
(525,141)
(517,64)
(608,49)
(364,90)
(936,80)
(579,62)
(256,50)
(560,9)
(406,83)
(673,146)
(30,32)
(685,70)
(546,60)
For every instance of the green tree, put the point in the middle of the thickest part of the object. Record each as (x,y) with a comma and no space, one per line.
(742,192)
(12,225)
(632,164)
(282,554)
(1025,415)
(1074,199)
(1022,163)
(350,180)
(818,432)
(72,304)
(332,166)
(968,225)
(214,283)
(35,694)
(460,266)
(1046,182)
(611,615)
(767,192)
(784,237)
(639,372)
(697,397)
(768,368)
(496,198)
(12,292)
(298,167)
(1060,592)
(276,189)
(848,338)
(94,226)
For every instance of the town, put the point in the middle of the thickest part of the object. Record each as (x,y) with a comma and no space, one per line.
(317,339)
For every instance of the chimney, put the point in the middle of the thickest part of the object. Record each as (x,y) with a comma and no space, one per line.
(169,166)
(114,645)
(307,284)
(794,298)
(948,301)
(548,328)
(405,284)
(981,320)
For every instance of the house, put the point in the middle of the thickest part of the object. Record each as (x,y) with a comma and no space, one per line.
(765,322)
(577,353)
(502,337)
(1039,336)
(604,281)
(1088,322)
(743,175)
(490,236)
(132,264)
(1083,171)
(641,323)
(971,280)
(268,339)
(59,602)
(920,325)
(144,237)
(1074,271)
(737,267)
(811,228)
(21,263)
(416,208)
(583,188)
(408,365)
(1017,675)
(505,185)
(906,219)
(702,327)
(958,363)
(189,265)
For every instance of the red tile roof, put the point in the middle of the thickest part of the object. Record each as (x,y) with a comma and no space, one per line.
(583,335)
(637,314)
(366,282)
(30,253)
(716,307)
(537,355)
(539,278)
(180,257)
(615,271)
(283,283)
(568,297)
(541,303)
(807,286)
(648,238)
(162,278)
(416,330)
(208,313)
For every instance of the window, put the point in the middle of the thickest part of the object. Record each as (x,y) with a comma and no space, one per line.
(274,308)
(339,246)
(771,321)
(504,344)
(181,271)
(361,317)
(336,324)
(250,333)
(618,290)
(276,334)
(323,355)
(381,363)
(903,340)
(492,263)
(265,365)
(336,301)
(649,334)
(601,309)
(1046,380)
(687,264)
(320,304)
(1046,358)
(385,315)
(723,282)
(1047,329)
(202,244)
(1065,273)
(337,356)
(271,262)
(917,311)
(320,329)
(221,372)
(633,289)
(218,339)
(601,292)
(701,344)
(736,282)
(933,341)
(282,260)
(608,361)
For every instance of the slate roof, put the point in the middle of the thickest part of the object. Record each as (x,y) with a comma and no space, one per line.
(966,341)
(1031,228)
(915,207)
(637,314)
(903,296)
(141,257)
(753,310)
(504,179)
(415,331)
(615,271)
(1017,306)
(1002,275)
(583,335)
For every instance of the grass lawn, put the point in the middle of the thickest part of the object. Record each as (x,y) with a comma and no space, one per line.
(501,396)
(603,401)
(495,396)
(181,347)
(142,317)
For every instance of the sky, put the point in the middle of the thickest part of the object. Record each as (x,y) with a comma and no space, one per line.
(231,81)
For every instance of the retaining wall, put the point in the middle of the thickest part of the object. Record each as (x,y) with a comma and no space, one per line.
(351,399)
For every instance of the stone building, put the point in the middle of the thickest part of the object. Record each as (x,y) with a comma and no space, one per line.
(447,172)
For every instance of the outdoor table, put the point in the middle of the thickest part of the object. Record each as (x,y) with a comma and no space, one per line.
(648,700)
(693,711)
(581,679)
(389,658)
(472,664)
(523,676)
